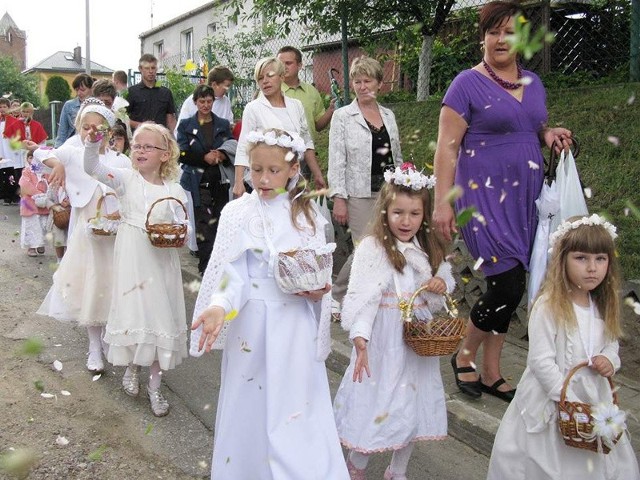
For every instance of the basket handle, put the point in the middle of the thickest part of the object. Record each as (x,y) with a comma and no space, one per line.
(101,200)
(565,385)
(146,223)
(407,307)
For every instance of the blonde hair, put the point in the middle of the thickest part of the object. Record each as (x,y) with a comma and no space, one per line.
(300,203)
(278,67)
(78,124)
(587,239)
(368,66)
(170,169)
(430,241)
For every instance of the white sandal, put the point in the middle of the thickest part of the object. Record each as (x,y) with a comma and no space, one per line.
(131,381)
(159,404)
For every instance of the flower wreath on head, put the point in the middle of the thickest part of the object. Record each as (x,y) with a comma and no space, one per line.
(291,141)
(591,221)
(407,176)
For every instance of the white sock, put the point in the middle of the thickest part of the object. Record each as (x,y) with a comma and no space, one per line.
(95,339)
(155,376)
(130,369)
(358,460)
(400,460)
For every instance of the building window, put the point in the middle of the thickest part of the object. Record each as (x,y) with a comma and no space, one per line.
(212,28)
(158,50)
(232,23)
(187,45)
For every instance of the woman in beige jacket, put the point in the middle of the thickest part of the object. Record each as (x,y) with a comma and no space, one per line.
(363,142)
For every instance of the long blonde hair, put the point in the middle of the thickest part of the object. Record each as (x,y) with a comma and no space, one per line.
(170,169)
(587,239)
(431,242)
(300,203)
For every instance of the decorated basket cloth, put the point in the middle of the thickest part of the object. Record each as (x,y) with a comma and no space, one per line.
(167,235)
(61,216)
(104,224)
(436,337)
(304,270)
(577,424)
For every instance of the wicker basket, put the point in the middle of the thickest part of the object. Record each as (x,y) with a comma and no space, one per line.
(575,420)
(436,337)
(94,222)
(167,235)
(61,215)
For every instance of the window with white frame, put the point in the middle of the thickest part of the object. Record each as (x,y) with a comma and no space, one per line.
(212,28)
(187,44)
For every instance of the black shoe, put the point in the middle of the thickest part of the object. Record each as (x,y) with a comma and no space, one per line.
(493,390)
(471,389)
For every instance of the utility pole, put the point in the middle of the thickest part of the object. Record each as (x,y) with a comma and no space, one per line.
(88,39)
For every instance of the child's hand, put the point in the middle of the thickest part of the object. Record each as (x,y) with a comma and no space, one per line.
(212,320)
(602,365)
(57,175)
(362,359)
(436,285)
(315,295)
(94,135)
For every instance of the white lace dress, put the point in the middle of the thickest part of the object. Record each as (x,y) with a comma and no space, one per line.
(403,400)
(274,417)
(81,290)
(147,316)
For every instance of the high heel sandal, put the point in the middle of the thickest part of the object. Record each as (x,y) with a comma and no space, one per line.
(471,389)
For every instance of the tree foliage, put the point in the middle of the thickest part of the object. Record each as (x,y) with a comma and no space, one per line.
(17,84)
(57,89)
(363,19)
(180,85)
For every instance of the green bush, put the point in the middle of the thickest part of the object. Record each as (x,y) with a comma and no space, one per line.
(19,85)
(180,85)
(57,89)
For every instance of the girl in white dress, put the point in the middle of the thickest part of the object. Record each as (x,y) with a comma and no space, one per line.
(81,290)
(400,400)
(575,319)
(274,418)
(147,320)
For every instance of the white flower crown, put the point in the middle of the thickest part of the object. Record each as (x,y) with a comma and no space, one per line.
(567,226)
(407,176)
(291,141)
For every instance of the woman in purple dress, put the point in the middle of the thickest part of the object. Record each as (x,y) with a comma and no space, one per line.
(492,124)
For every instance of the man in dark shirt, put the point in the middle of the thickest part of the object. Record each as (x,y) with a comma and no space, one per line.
(148,101)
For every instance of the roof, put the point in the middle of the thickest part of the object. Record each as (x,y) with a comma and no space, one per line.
(178,19)
(63,62)
(7,22)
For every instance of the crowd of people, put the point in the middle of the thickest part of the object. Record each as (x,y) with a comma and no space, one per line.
(239,188)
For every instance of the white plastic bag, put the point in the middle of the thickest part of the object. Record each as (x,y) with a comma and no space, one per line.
(572,200)
(323,206)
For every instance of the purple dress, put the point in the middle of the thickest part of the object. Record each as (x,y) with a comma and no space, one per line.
(500,167)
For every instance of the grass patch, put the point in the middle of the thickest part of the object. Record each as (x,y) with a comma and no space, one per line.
(605,119)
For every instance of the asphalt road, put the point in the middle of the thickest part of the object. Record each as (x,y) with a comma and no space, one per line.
(185,436)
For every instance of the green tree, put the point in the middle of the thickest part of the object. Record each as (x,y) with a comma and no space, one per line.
(19,85)
(363,19)
(179,84)
(57,89)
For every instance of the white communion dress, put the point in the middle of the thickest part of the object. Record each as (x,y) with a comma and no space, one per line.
(274,417)
(403,400)
(147,316)
(81,290)
(528,444)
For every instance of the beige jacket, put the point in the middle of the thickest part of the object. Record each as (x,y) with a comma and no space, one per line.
(350,150)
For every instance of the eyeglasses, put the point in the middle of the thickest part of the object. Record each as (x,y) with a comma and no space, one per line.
(146,148)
